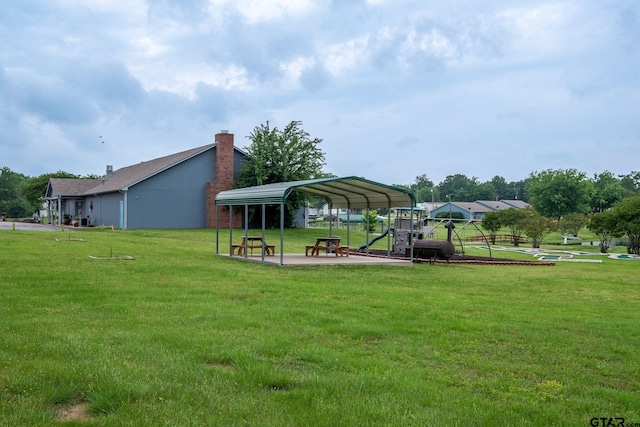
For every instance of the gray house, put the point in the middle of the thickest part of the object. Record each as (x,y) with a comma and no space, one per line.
(478,209)
(175,191)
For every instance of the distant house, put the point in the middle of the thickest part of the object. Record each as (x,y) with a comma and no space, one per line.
(478,209)
(175,191)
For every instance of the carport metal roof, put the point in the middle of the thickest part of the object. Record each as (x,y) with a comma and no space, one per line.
(348,192)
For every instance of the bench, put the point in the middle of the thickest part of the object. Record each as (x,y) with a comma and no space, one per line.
(315,250)
(268,249)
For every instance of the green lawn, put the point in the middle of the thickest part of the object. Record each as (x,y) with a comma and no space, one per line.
(179,336)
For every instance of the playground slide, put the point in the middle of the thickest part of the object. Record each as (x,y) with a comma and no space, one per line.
(375,239)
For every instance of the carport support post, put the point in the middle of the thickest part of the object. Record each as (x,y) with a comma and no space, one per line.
(246,230)
(389,230)
(230,229)
(348,223)
(367,233)
(411,225)
(217,233)
(263,242)
(282,233)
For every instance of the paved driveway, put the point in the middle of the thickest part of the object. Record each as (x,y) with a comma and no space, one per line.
(28,226)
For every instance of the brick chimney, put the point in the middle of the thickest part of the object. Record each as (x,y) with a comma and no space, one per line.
(223,180)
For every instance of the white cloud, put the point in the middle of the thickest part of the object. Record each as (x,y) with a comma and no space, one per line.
(257,11)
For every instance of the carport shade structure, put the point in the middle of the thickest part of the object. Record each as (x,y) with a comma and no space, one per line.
(347,193)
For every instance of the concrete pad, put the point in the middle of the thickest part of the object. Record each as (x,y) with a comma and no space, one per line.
(301,259)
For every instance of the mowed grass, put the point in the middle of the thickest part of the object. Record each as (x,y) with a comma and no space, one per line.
(179,336)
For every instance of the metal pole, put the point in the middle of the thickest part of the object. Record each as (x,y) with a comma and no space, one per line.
(230,229)
(217,233)
(367,232)
(282,233)
(389,230)
(246,231)
(263,237)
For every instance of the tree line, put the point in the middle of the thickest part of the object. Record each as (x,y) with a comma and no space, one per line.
(554,193)
(562,199)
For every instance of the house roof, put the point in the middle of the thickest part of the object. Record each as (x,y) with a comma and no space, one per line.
(125,177)
(471,206)
(120,179)
(66,187)
(494,204)
(516,203)
(347,192)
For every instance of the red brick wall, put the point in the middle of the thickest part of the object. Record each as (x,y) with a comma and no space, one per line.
(223,181)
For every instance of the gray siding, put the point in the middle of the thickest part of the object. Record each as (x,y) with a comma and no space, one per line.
(238,162)
(175,198)
(106,209)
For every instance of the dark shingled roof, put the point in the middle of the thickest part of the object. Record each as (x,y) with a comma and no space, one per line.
(120,179)
(62,187)
(130,175)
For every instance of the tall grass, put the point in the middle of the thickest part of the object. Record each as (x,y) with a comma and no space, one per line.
(181,337)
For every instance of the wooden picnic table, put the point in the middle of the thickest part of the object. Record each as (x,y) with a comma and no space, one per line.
(327,244)
(251,243)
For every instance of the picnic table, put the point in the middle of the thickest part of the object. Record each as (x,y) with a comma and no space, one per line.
(327,245)
(251,243)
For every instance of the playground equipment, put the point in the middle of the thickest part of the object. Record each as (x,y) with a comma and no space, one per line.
(432,249)
(408,229)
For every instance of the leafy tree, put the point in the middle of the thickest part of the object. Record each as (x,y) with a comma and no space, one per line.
(492,222)
(513,218)
(422,188)
(627,215)
(280,156)
(536,227)
(484,191)
(12,203)
(572,223)
(372,216)
(606,191)
(459,187)
(500,187)
(605,225)
(521,189)
(555,193)
(630,183)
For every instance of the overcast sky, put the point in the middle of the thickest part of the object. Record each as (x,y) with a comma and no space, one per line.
(394,88)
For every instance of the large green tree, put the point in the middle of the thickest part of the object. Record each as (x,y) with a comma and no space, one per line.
(627,216)
(423,189)
(285,155)
(555,193)
(605,191)
(631,183)
(12,202)
(459,188)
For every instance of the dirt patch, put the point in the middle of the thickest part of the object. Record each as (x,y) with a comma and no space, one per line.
(225,367)
(75,412)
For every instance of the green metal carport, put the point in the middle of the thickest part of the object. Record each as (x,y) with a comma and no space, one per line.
(340,193)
